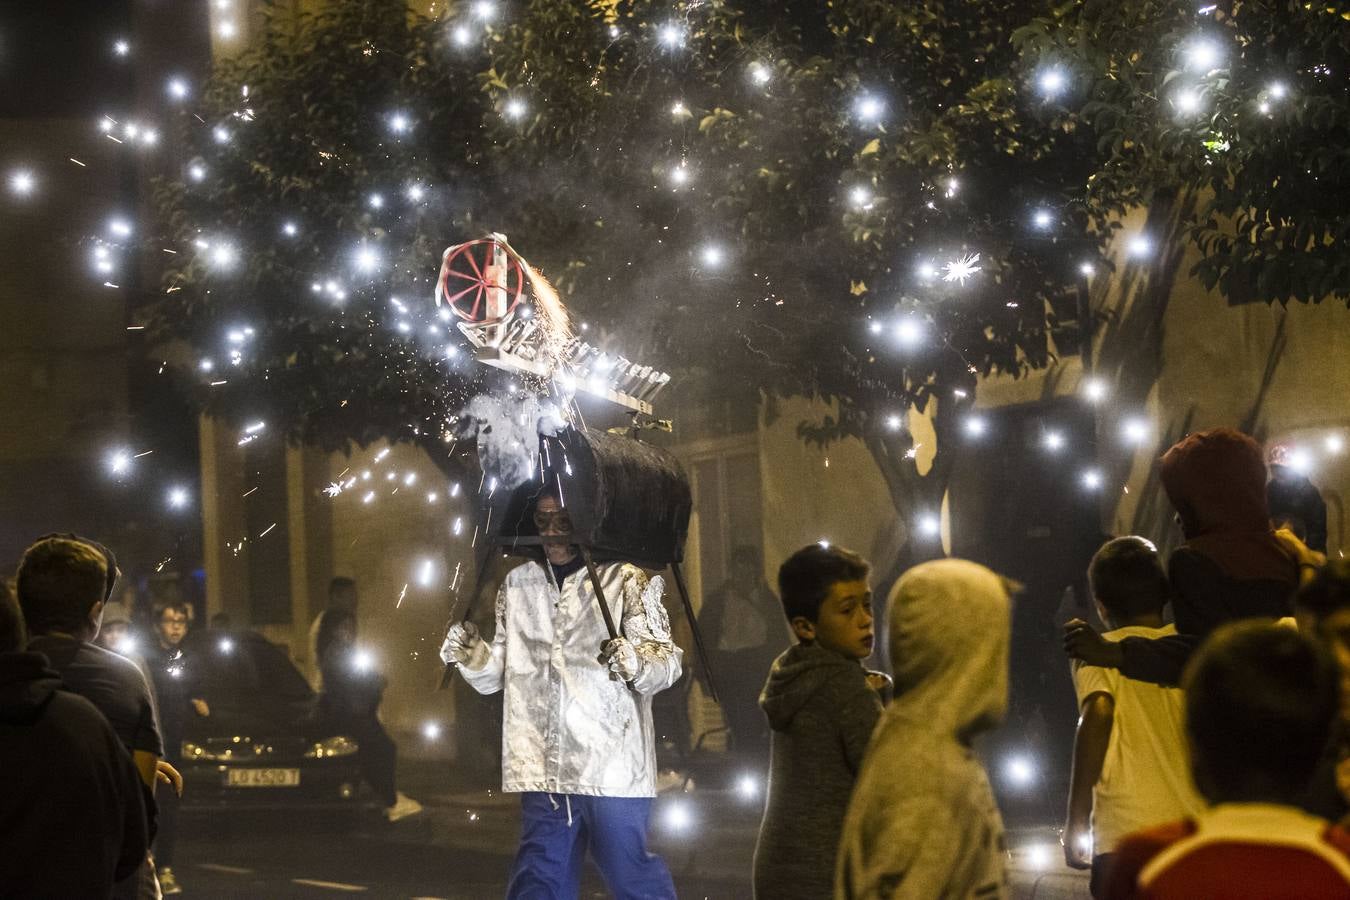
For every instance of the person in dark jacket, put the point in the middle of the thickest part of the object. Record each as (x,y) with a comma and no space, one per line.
(821,708)
(1233,566)
(1295,501)
(743,622)
(72,818)
(349,704)
(64,581)
(1322,608)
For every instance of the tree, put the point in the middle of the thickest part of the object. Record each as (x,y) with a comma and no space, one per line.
(1242,108)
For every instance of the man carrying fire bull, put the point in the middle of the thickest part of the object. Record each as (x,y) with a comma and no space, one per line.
(577,736)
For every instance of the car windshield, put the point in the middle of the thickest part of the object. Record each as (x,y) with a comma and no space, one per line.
(243,669)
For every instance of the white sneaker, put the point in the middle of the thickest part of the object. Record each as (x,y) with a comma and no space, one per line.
(403,807)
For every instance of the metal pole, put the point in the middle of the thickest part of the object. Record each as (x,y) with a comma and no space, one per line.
(693,627)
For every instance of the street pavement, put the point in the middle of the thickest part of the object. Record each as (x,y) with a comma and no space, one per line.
(460,848)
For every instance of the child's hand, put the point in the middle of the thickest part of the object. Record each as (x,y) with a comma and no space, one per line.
(1081,642)
(879,681)
(201,708)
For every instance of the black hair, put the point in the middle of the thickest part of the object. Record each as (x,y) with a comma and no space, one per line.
(177,605)
(60,579)
(1328,592)
(1127,578)
(1260,703)
(13,635)
(805,578)
(341,583)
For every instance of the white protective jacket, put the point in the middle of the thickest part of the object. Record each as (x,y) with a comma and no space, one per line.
(567,728)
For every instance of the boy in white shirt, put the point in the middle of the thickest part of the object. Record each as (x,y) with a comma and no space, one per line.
(1129,757)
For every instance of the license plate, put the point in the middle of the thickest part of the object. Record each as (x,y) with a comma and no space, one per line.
(262,778)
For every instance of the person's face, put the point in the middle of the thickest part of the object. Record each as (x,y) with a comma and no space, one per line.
(172,627)
(551,519)
(844,623)
(112,634)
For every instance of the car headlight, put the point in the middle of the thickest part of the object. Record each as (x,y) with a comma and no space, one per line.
(193,752)
(333,746)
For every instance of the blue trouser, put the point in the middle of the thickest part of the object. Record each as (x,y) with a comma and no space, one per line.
(557,831)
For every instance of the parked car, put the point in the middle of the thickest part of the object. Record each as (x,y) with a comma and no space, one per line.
(261,745)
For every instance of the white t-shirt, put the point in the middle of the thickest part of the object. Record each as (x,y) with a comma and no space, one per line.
(1146,778)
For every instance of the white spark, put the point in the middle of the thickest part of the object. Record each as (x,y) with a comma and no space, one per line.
(333,489)
(861,197)
(1300,460)
(22,182)
(759,73)
(909,331)
(119,461)
(1043,219)
(515,108)
(178,88)
(1052,82)
(894,423)
(1040,856)
(1092,479)
(959,270)
(462,35)
(433,497)
(399,122)
(976,426)
(416,192)
(930,525)
(748,786)
(290,229)
(196,171)
(677,816)
(426,571)
(1134,431)
(225,646)
(869,108)
(363,661)
(679,176)
(121,47)
(1095,390)
(1087,269)
(713,256)
(1186,101)
(1334,444)
(1140,246)
(221,134)
(678,109)
(227,29)
(874,327)
(926,270)
(367,259)
(1054,441)
(223,255)
(1020,770)
(671,34)
(431,731)
(1203,54)
(485,10)
(953,185)
(376,201)
(1277,90)
(178,497)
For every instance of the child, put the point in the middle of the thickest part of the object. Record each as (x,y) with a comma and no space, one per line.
(1129,758)
(822,712)
(1260,702)
(922,822)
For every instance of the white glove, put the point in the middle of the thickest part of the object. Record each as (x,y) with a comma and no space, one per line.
(622,659)
(463,646)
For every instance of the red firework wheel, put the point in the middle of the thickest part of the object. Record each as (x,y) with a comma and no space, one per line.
(471,272)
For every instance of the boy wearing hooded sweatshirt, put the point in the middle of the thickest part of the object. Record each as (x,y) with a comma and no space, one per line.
(1233,566)
(923,822)
(822,709)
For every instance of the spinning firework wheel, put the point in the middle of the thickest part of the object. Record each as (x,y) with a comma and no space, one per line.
(483,281)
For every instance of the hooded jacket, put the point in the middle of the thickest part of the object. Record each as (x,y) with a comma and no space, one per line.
(71,811)
(1232,565)
(923,822)
(822,713)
